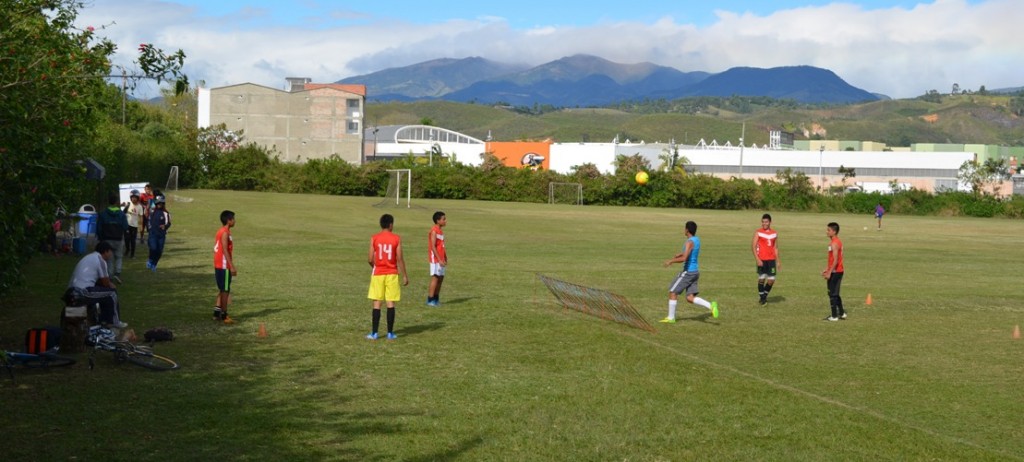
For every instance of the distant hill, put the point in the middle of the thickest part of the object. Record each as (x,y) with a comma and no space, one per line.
(430,79)
(964,119)
(805,84)
(587,81)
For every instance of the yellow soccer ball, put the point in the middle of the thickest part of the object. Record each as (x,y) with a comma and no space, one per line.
(641,178)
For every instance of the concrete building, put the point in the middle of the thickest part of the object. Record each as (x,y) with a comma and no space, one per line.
(305,121)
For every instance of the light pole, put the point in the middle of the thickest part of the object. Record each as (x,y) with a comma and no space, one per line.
(375,130)
(821,176)
(743,133)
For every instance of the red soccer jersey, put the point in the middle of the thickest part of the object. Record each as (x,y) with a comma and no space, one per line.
(220,254)
(835,244)
(437,254)
(385,252)
(766,244)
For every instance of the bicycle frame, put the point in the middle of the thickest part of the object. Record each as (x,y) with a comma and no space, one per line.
(46,359)
(139,355)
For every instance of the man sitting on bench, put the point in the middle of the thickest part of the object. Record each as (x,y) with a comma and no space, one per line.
(90,283)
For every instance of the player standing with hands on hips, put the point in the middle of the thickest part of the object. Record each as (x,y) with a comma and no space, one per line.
(387,261)
(833,273)
(766,256)
(686,280)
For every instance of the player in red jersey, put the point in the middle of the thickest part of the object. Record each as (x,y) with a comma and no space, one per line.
(766,256)
(224,266)
(438,258)
(833,273)
(386,258)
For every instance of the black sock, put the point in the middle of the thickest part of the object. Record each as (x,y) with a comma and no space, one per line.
(760,288)
(768,288)
(376,321)
(391,320)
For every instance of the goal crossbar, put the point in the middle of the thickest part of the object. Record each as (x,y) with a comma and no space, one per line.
(571,192)
(394,190)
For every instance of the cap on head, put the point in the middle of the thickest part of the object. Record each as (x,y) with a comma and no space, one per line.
(161,200)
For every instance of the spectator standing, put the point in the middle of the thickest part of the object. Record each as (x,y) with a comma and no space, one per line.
(111,227)
(134,213)
(159,222)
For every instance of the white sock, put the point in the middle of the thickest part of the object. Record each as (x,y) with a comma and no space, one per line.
(701,302)
(672,308)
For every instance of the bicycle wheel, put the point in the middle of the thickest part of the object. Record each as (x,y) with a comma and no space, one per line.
(151,361)
(48,360)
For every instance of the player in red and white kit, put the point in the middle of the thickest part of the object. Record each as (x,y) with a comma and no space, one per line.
(438,257)
(766,256)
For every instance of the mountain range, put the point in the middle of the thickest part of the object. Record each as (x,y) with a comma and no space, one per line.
(585,81)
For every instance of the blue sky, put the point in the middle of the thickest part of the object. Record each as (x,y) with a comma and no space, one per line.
(518,14)
(898,48)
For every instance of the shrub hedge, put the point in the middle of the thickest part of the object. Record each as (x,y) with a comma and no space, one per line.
(254,169)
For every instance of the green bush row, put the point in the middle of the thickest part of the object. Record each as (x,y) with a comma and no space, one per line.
(252,168)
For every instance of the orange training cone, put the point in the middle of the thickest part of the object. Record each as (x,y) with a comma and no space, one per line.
(868,301)
(1016,331)
(263,331)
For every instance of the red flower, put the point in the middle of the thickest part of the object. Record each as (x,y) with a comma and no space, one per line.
(67,123)
(90,28)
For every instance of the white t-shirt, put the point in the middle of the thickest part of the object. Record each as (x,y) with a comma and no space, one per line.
(135,214)
(90,269)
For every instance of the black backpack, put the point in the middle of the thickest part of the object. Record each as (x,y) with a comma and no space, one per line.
(42,339)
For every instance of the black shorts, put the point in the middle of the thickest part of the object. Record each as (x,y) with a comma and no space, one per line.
(767,268)
(223,278)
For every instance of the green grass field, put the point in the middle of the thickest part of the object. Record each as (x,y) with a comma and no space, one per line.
(929,371)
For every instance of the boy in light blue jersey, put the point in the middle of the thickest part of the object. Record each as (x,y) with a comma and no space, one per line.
(686,280)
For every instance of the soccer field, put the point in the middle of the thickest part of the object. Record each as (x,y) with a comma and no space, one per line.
(928,371)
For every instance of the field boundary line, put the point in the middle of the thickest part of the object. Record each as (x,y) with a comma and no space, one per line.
(797,391)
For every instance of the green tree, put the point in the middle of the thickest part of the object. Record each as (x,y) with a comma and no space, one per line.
(53,102)
(984,177)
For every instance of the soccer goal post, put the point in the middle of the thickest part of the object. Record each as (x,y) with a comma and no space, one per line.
(172,180)
(565,193)
(399,184)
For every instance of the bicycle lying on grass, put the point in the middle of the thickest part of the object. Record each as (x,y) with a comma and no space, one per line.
(102,339)
(46,359)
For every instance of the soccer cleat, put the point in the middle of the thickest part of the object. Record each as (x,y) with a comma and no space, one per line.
(668,321)
(149,264)
(372,336)
(831,318)
(843,317)
(120,324)
(392,336)
(764,300)
(227,320)
(714,309)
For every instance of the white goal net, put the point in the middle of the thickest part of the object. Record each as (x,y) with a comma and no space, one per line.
(171,189)
(399,187)
(565,193)
(172,181)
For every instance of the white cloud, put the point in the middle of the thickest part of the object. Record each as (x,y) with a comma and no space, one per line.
(896,51)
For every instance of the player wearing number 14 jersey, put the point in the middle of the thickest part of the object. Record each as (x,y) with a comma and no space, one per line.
(385,257)
(766,256)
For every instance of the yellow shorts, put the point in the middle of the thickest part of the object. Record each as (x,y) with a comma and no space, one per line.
(385,287)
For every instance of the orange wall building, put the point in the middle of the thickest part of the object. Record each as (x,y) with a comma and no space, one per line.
(522,154)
